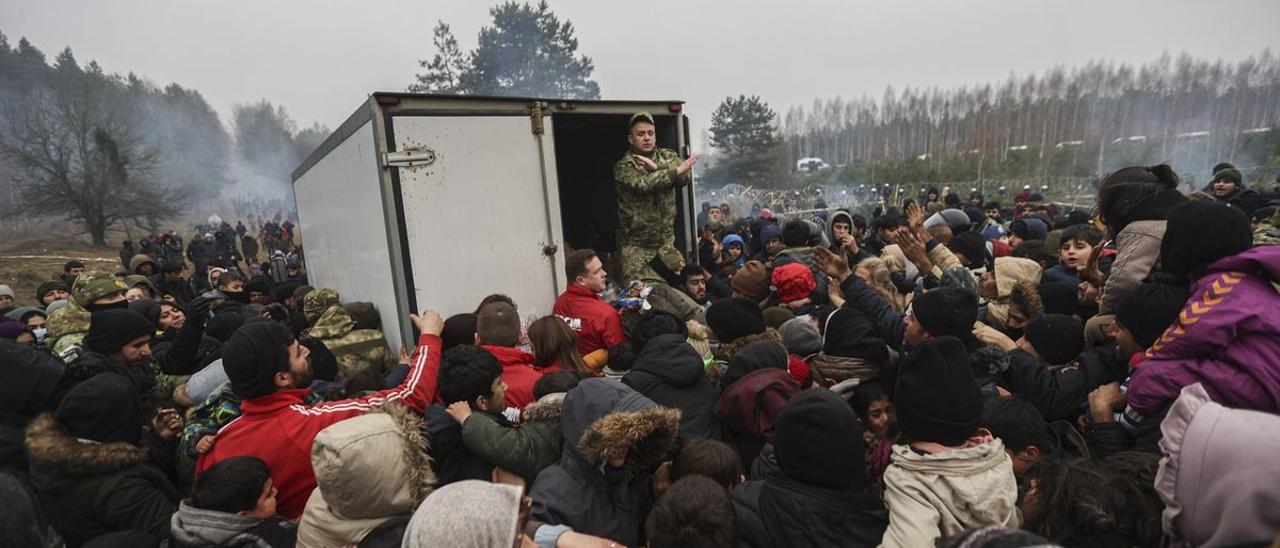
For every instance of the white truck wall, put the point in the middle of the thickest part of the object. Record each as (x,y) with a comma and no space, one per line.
(341,218)
(477,219)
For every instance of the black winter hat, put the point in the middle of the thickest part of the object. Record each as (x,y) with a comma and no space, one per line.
(818,441)
(731,319)
(973,246)
(849,334)
(1058,298)
(766,354)
(459,329)
(106,408)
(1150,309)
(1188,247)
(148,308)
(936,398)
(252,357)
(50,286)
(109,330)
(1056,337)
(947,311)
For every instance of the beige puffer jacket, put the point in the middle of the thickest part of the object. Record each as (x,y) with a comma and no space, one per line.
(948,492)
(369,469)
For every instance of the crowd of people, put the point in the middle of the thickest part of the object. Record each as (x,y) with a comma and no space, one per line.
(948,372)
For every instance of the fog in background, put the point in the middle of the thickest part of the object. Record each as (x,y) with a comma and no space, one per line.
(320,59)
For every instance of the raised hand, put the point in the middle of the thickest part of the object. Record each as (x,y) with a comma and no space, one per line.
(833,264)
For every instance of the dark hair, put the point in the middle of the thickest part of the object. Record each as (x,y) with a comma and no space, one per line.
(466,373)
(622,356)
(363,382)
(710,458)
(497,324)
(1017,423)
(229,276)
(795,233)
(694,512)
(1124,191)
(652,325)
(554,342)
(232,485)
(1263,214)
(1081,233)
(859,221)
(1036,251)
(690,270)
(885,222)
(324,364)
(495,298)
(991,205)
(576,263)
(558,382)
(822,312)
(72,264)
(866,394)
(1105,503)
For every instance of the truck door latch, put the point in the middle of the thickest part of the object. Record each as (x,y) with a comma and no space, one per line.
(409,157)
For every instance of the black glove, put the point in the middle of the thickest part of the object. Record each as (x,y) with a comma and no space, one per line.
(198,312)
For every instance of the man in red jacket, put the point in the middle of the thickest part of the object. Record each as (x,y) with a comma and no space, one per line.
(498,331)
(270,371)
(597,323)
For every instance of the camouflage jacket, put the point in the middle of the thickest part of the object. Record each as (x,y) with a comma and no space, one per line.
(355,349)
(217,411)
(67,328)
(646,203)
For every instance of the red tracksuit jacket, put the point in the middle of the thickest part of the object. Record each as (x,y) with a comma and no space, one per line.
(598,324)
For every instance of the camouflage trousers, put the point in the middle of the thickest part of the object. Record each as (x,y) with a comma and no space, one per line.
(635,264)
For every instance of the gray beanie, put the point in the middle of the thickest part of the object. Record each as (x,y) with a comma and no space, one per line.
(800,337)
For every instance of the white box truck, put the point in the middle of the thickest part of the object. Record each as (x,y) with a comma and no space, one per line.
(427,201)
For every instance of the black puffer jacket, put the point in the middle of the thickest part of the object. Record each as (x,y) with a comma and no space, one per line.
(670,372)
(1059,393)
(91,489)
(782,512)
(30,379)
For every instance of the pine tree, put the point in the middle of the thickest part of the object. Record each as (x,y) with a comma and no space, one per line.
(445,70)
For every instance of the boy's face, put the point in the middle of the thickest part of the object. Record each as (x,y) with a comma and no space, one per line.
(715,215)
(879,414)
(735,251)
(1075,253)
(498,401)
(993,213)
(839,229)
(1017,317)
(266,507)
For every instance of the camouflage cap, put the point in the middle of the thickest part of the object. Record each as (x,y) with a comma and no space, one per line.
(316,302)
(672,258)
(94,285)
(640,117)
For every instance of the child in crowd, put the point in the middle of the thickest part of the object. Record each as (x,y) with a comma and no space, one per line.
(1076,247)
(233,504)
(875,413)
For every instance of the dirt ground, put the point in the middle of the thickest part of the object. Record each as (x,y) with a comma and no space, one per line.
(29,260)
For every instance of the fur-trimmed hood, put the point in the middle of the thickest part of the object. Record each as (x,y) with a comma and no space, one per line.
(604,419)
(546,408)
(53,452)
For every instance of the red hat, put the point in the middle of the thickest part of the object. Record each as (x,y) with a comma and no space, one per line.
(793,282)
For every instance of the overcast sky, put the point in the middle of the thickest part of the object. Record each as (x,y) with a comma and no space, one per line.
(319,59)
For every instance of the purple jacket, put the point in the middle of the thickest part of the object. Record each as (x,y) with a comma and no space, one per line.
(1226,338)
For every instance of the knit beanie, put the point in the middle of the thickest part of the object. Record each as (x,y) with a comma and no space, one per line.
(1058,298)
(793,282)
(6,291)
(148,308)
(253,356)
(1056,337)
(106,408)
(1029,228)
(800,337)
(751,280)
(947,311)
(936,398)
(50,286)
(775,316)
(465,513)
(1150,309)
(94,285)
(731,319)
(817,441)
(316,302)
(769,232)
(1188,247)
(110,330)
(763,354)
(973,247)
(1229,174)
(459,329)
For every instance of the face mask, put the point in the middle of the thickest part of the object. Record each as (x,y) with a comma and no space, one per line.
(1014,334)
(39,333)
(241,297)
(122,305)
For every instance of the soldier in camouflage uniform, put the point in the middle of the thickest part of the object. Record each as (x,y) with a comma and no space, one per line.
(94,290)
(355,349)
(646,176)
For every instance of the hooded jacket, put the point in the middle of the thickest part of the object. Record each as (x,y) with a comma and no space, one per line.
(279,428)
(1225,338)
(1009,271)
(945,493)
(369,470)
(193,527)
(750,405)
(850,348)
(1217,479)
(669,372)
(1137,252)
(526,449)
(31,379)
(839,216)
(355,349)
(89,489)
(604,420)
